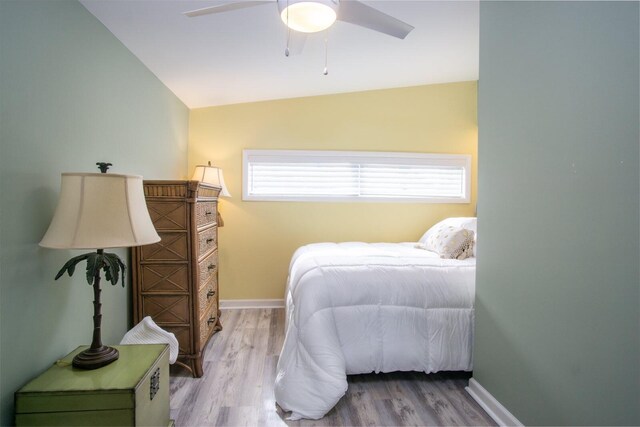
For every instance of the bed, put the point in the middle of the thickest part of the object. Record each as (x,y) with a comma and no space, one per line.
(357,308)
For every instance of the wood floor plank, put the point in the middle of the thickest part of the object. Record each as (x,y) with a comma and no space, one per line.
(361,406)
(219,378)
(379,390)
(387,415)
(453,390)
(250,392)
(264,318)
(217,349)
(276,332)
(240,370)
(411,387)
(242,416)
(435,400)
(268,379)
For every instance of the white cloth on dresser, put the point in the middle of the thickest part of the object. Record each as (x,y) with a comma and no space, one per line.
(147,332)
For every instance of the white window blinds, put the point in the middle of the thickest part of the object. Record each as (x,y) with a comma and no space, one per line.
(348,176)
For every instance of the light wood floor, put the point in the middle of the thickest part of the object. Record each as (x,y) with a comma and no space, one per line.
(239,372)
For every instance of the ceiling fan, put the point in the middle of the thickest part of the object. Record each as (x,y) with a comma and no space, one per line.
(310,16)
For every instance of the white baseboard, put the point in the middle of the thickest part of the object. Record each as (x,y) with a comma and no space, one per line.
(226,304)
(490,404)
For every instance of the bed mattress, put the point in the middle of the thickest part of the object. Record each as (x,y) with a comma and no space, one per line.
(370,307)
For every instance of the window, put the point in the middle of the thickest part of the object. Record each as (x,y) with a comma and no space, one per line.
(300,175)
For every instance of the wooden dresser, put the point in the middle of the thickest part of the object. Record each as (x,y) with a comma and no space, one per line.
(175,281)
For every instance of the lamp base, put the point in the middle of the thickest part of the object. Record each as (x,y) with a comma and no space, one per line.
(94,358)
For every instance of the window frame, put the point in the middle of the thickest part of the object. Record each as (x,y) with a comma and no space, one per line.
(462,160)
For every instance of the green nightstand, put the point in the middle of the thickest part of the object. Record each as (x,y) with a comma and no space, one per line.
(134,390)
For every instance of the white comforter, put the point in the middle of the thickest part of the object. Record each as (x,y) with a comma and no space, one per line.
(356,308)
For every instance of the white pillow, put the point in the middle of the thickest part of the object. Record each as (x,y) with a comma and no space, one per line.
(450,242)
(468,223)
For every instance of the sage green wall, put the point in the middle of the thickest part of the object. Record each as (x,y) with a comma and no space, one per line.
(70,95)
(558,282)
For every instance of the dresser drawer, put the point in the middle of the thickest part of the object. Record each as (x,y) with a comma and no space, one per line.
(163,309)
(207,295)
(171,247)
(208,324)
(207,268)
(168,215)
(206,213)
(207,240)
(165,278)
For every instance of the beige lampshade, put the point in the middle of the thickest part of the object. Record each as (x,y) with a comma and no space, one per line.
(211,175)
(100,210)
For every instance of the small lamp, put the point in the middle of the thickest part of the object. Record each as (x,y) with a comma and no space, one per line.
(212,175)
(97,211)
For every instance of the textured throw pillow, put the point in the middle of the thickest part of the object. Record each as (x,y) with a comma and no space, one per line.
(449,241)
(468,223)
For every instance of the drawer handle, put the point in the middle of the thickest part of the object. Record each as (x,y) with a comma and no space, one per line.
(211,320)
(210,293)
(209,240)
(211,266)
(208,213)
(154,384)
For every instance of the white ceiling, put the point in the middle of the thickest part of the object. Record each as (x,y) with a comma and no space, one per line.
(239,56)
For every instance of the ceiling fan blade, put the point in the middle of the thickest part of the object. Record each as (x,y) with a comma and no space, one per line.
(297,41)
(358,13)
(225,7)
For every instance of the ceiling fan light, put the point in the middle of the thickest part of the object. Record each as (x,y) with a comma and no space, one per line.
(308,16)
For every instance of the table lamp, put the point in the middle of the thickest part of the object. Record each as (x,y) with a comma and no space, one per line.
(97,211)
(212,175)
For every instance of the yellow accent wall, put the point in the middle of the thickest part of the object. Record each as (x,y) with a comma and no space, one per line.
(259,238)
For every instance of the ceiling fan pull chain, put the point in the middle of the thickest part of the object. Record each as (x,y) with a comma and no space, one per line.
(326,52)
(286,50)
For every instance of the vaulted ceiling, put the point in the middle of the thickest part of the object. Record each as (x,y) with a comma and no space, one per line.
(239,56)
